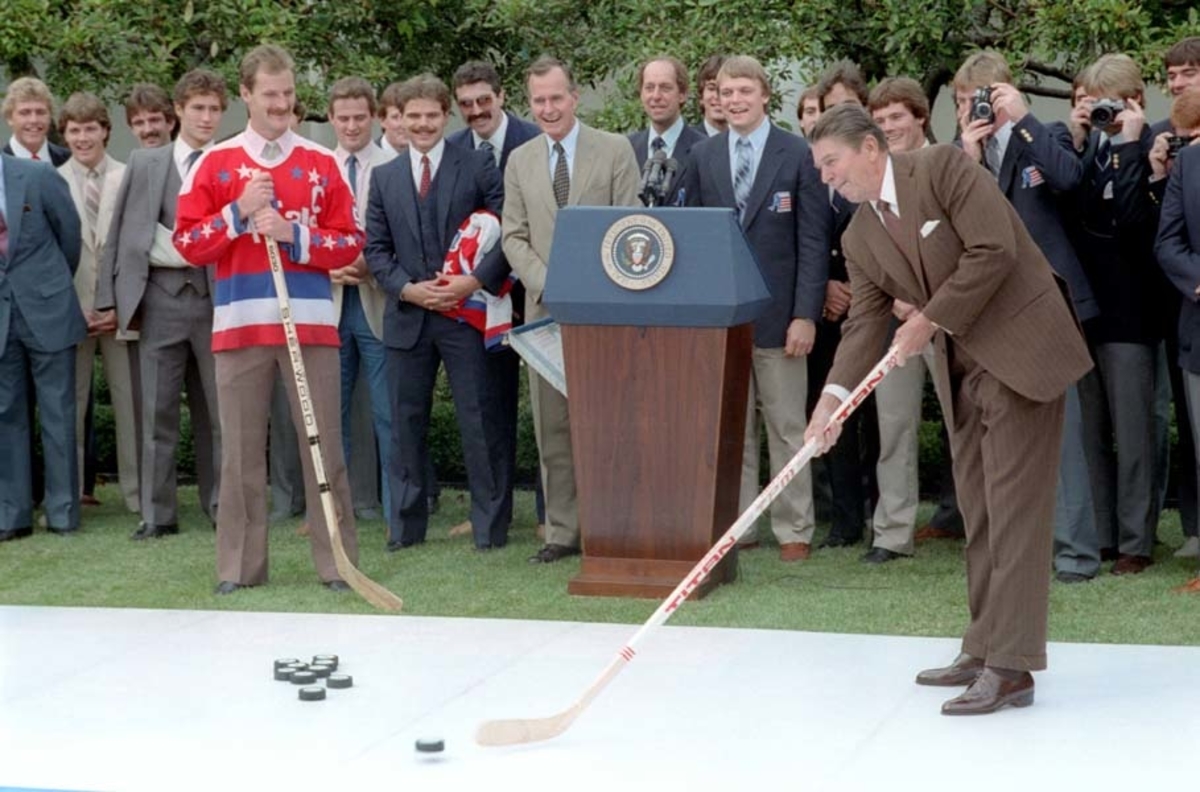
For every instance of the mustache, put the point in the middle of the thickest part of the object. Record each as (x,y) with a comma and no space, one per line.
(479,116)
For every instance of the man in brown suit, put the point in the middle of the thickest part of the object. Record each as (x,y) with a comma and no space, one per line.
(934,230)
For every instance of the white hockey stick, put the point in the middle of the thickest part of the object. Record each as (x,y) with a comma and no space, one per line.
(368,589)
(516,730)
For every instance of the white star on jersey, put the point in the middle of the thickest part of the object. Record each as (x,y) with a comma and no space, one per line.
(314,177)
(245,171)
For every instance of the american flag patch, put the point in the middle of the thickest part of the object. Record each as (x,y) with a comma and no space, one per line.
(1031,177)
(781,202)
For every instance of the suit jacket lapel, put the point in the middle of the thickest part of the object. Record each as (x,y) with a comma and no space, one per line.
(1008,166)
(910,220)
(878,239)
(763,177)
(78,198)
(583,166)
(724,177)
(447,183)
(14,190)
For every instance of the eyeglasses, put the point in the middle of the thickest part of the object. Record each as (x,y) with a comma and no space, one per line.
(483,102)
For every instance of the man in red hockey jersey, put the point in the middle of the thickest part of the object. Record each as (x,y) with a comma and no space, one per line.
(269,182)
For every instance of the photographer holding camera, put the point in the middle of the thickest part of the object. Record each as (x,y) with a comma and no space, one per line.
(1035,165)
(1115,224)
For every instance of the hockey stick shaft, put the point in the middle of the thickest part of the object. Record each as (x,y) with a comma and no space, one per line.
(368,589)
(509,732)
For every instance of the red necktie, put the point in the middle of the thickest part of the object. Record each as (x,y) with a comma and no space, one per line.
(35,156)
(3,236)
(426,179)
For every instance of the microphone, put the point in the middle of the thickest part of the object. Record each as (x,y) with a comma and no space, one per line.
(652,178)
(668,174)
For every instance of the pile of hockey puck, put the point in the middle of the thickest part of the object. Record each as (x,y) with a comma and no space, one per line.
(308,675)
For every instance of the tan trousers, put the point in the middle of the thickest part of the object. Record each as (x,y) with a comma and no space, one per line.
(898,404)
(778,385)
(552,427)
(244,380)
(119,375)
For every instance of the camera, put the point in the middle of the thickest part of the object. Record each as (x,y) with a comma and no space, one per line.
(1104,112)
(981,106)
(1176,143)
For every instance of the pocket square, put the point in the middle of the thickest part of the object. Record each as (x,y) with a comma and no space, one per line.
(927,229)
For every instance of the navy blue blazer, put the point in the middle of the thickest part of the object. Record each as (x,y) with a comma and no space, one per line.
(788,224)
(688,138)
(466,181)
(518,132)
(43,253)
(1040,167)
(58,154)
(1178,249)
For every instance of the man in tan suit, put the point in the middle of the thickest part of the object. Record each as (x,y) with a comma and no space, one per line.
(94,178)
(569,164)
(934,231)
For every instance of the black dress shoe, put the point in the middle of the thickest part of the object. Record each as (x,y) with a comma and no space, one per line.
(337,585)
(994,689)
(551,553)
(12,534)
(880,555)
(434,503)
(963,671)
(838,541)
(400,544)
(154,532)
(1071,577)
(64,532)
(227,587)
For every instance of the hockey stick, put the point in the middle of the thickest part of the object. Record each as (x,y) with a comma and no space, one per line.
(515,730)
(368,589)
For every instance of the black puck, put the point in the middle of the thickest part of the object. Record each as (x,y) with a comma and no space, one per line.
(327,659)
(427,745)
(321,670)
(284,674)
(339,681)
(312,694)
(286,661)
(303,678)
(298,665)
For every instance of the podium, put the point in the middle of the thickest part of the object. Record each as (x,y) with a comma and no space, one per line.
(656,308)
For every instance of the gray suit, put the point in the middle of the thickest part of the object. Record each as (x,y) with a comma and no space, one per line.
(604,173)
(172,308)
(40,324)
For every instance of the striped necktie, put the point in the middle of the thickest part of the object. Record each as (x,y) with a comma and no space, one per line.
(562,177)
(742,176)
(486,145)
(91,203)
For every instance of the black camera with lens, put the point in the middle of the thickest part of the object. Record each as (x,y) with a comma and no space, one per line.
(1176,143)
(1105,112)
(981,105)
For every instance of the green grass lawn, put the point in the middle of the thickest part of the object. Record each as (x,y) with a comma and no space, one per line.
(832,592)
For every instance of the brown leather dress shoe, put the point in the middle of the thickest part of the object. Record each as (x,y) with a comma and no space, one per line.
(995,689)
(551,553)
(933,532)
(795,551)
(1131,564)
(1191,587)
(963,671)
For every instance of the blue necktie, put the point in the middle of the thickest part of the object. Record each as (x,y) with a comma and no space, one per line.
(352,174)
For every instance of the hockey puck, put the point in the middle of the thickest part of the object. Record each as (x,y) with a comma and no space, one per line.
(303,678)
(298,665)
(321,670)
(312,694)
(427,745)
(338,681)
(327,659)
(286,661)
(284,674)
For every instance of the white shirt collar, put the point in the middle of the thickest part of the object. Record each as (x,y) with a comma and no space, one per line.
(670,137)
(24,153)
(254,144)
(887,191)
(569,144)
(181,151)
(711,130)
(435,160)
(497,138)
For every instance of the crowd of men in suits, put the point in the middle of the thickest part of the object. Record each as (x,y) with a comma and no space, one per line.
(416,250)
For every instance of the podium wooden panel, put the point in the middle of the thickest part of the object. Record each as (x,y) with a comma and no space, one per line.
(657,428)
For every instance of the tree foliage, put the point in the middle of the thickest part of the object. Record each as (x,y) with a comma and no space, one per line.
(106,45)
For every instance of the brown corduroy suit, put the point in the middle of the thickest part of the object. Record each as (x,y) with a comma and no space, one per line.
(1007,350)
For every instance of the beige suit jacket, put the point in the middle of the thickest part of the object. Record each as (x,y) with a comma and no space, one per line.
(93,239)
(373,299)
(605,174)
(967,261)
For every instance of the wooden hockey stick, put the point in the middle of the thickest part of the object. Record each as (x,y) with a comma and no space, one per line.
(368,589)
(515,730)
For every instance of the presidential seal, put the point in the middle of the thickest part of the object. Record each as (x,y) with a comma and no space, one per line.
(637,252)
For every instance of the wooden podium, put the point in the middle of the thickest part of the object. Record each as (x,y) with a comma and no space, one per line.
(657,368)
